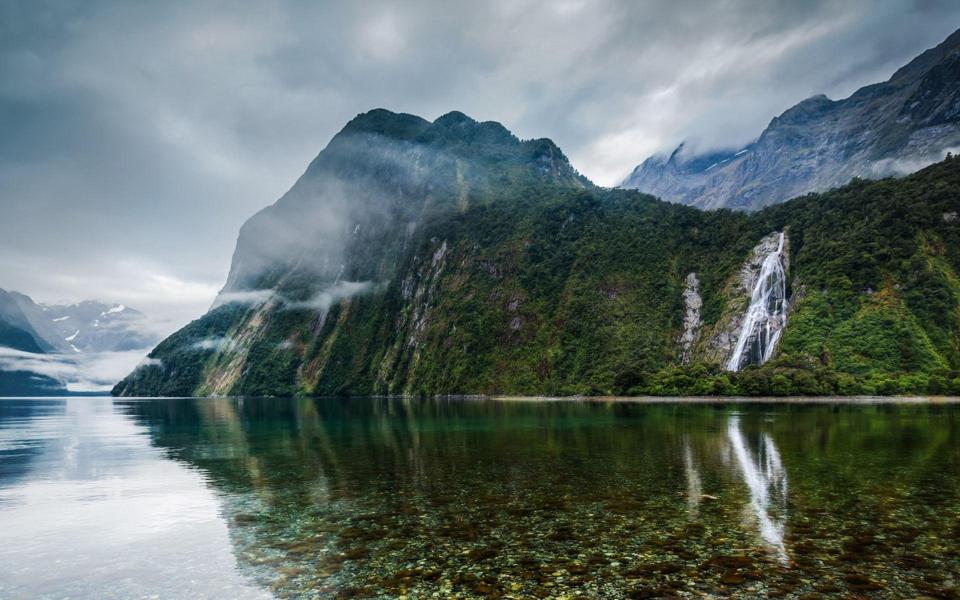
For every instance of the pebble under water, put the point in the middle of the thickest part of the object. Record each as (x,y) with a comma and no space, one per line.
(374,497)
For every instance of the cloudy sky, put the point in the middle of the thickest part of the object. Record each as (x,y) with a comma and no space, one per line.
(136,137)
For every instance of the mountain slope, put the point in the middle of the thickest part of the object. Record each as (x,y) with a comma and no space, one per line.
(92,326)
(87,326)
(450,257)
(15,344)
(16,310)
(17,339)
(44,347)
(889,128)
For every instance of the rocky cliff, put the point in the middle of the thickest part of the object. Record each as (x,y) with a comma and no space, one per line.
(890,128)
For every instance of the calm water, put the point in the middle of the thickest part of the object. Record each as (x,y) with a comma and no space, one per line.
(231,498)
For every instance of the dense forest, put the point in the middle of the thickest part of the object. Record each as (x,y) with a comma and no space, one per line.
(489,266)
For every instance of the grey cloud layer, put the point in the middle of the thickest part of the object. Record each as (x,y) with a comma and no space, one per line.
(137,137)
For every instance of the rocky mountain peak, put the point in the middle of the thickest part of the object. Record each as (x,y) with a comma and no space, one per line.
(807,110)
(889,128)
(920,65)
(87,326)
(381,176)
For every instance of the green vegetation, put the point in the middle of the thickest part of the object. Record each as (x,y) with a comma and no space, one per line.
(521,277)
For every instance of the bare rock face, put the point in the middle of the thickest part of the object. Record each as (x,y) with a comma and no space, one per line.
(718,343)
(890,128)
(692,303)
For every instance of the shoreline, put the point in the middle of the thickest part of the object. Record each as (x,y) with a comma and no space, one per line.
(862,400)
(940,400)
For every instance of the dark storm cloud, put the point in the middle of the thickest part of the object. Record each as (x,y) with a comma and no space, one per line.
(138,136)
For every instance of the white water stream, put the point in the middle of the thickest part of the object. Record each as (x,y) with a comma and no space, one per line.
(766,316)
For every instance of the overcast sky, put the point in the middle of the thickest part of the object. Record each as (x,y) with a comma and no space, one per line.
(136,137)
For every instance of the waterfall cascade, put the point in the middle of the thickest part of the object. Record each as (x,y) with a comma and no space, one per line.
(766,316)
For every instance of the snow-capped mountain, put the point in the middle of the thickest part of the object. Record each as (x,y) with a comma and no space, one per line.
(92,326)
(52,349)
(890,128)
(87,326)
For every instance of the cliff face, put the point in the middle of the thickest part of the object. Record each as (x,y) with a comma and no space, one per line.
(345,227)
(450,257)
(890,128)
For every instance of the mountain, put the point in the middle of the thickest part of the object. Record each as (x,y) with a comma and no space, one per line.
(28,383)
(41,345)
(450,257)
(87,326)
(91,326)
(19,312)
(17,339)
(889,128)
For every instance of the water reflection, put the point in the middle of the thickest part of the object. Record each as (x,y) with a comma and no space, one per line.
(382,497)
(377,497)
(694,483)
(767,481)
(88,509)
(20,439)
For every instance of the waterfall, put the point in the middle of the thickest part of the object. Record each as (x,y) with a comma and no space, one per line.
(766,316)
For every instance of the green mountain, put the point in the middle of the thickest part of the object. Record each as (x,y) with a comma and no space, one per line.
(451,257)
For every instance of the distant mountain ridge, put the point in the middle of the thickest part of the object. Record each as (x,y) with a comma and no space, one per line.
(42,344)
(87,326)
(890,128)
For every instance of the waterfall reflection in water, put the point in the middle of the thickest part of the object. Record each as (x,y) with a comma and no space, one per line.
(694,482)
(767,481)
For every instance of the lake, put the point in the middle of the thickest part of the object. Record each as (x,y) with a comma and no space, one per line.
(376,497)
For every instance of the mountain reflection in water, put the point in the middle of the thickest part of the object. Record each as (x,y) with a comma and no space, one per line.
(393,496)
(374,497)
(89,509)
